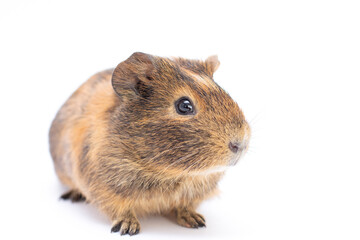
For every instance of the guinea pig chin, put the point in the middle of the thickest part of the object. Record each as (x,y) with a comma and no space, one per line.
(215,169)
(220,168)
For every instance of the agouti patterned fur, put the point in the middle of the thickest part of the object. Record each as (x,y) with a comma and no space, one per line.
(152,136)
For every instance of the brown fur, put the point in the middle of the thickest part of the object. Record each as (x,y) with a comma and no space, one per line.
(119,142)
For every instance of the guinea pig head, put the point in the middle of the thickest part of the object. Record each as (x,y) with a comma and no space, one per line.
(174,118)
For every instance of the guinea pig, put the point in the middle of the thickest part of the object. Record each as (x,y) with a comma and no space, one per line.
(152,136)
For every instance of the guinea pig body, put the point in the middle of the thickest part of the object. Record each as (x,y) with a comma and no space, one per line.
(152,136)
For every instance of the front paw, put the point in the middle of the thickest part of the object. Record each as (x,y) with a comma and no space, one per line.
(128,224)
(189,218)
(74,196)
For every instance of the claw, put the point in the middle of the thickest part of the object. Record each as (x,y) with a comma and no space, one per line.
(116,227)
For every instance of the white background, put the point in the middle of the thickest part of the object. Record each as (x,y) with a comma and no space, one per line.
(293,67)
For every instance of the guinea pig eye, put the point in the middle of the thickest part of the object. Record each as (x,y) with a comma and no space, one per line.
(184,106)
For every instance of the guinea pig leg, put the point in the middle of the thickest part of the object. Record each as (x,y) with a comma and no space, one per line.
(187,217)
(127,223)
(74,196)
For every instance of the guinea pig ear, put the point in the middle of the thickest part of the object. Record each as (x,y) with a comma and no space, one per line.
(132,75)
(212,64)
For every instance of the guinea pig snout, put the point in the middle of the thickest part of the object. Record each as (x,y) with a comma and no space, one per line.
(239,140)
(236,147)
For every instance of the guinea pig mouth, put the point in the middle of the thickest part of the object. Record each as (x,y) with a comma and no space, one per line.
(234,161)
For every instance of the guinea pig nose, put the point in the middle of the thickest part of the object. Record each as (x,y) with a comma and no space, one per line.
(234,147)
